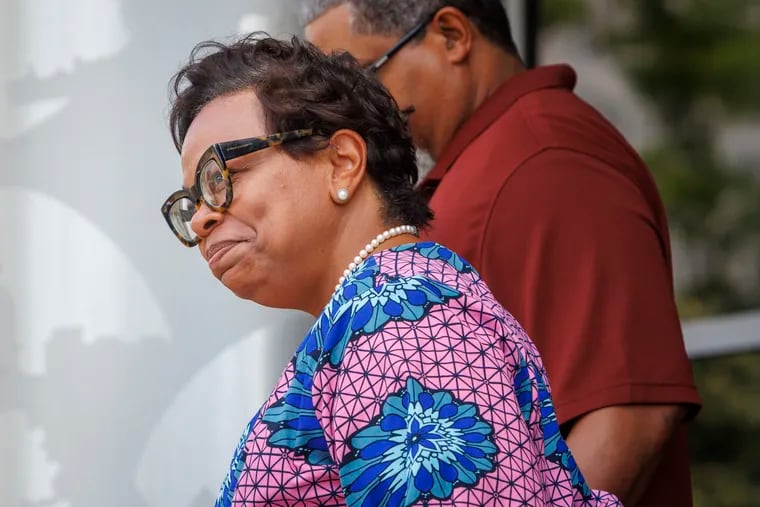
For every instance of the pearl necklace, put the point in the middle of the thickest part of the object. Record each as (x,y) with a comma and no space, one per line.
(372,245)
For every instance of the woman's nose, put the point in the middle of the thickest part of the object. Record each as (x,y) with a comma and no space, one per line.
(204,220)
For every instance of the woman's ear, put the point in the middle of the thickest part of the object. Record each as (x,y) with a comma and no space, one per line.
(348,164)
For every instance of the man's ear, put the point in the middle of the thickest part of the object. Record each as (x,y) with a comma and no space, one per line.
(348,164)
(457,32)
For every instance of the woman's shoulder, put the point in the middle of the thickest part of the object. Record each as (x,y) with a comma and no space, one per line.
(406,278)
(428,258)
(417,284)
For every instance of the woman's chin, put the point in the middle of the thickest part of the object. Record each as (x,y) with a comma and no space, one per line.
(259,289)
(241,286)
(244,289)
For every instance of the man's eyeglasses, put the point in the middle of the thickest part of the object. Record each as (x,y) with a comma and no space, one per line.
(403,41)
(213,185)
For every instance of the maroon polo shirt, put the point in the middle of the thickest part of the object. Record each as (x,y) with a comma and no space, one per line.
(563,220)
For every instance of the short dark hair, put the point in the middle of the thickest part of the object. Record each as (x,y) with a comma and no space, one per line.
(299,87)
(395,17)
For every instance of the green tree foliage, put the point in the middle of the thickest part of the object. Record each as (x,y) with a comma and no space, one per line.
(698,63)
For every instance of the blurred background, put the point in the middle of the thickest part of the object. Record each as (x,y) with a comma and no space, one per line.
(127,372)
(681,78)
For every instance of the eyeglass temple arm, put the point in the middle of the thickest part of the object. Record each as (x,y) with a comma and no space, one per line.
(234,149)
(402,42)
(379,62)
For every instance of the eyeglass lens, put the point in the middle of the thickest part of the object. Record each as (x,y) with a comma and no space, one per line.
(213,187)
(212,182)
(181,213)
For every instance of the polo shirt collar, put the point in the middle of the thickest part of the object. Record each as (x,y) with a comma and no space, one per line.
(549,76)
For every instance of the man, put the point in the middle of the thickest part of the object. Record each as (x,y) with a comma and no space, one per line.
(559,215)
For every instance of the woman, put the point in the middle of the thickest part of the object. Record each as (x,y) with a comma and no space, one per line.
(413,386)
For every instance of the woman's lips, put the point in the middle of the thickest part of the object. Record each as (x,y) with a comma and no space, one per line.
(218,250)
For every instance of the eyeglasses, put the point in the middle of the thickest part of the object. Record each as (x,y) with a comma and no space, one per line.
(213,185)
(403,41)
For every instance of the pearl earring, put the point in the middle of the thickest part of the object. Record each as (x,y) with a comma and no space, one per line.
(342,195)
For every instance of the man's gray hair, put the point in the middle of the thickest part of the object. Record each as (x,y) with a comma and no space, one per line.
(395,17)
(383,17)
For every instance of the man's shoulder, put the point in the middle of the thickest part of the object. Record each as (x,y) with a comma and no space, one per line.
(556,118)
(537,127)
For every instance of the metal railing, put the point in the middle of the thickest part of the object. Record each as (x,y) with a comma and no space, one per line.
(722,335)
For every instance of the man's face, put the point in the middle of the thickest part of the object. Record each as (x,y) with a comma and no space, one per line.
(411,74)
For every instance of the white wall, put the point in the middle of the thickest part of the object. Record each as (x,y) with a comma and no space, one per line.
(126,371)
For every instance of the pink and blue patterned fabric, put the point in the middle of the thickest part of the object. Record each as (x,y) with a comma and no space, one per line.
(413,387)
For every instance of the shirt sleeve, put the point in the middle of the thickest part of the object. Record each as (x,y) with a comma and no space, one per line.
(573,250)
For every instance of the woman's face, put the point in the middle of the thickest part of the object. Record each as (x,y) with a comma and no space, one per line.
(269,245)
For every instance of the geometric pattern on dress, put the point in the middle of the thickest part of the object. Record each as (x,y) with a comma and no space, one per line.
(432,250)
(226,492)
(411,335)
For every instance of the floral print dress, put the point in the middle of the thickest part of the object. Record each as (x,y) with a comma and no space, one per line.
(413,387)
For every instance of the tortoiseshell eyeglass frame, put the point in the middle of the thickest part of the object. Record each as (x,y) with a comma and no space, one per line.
(221,153)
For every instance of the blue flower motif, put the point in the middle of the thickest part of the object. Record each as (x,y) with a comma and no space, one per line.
(312,342)
(432,250)
(423,445)
(227,491)
(524,389)
(292,420)
(555,447)
(360,280)
(406,299)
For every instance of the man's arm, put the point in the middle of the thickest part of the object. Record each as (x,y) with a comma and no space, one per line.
(574,251)
(617,448)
